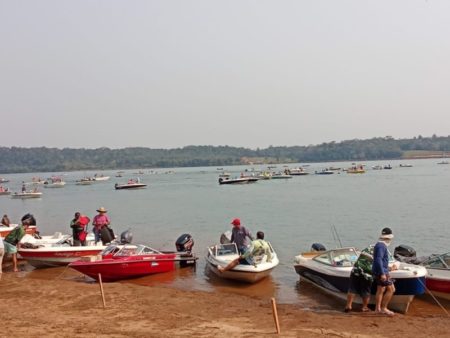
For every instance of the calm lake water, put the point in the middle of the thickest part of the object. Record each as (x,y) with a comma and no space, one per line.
(293,214)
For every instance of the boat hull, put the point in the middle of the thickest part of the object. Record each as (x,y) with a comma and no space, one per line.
(335,281)
(243,180)
(438,282)
(117,269)
(46,257)
(26,195)
(130,186)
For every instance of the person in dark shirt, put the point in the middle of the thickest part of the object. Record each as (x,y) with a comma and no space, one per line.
(240,235)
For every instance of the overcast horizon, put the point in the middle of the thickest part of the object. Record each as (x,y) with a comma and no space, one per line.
(168,74)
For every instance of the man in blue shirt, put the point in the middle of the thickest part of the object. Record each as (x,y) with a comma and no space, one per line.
(380,271)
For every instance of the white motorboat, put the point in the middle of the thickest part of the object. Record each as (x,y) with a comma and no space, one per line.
(101,178)
(27,194)
(222,254)
(330,271)
(238,180)
(85,181)
(281,175)
(56,250)
(54,182)
(131,184)
(296,172)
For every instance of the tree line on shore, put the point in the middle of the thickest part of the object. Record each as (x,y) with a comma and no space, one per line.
(43,159)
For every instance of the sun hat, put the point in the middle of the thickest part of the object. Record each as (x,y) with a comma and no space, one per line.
(101,210)
(386,233)
(236,221)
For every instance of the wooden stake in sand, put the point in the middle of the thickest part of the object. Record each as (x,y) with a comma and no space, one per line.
(101,289)
(275,314)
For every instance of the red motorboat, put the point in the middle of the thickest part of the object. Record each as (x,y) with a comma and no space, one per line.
(438,275)
(127,261)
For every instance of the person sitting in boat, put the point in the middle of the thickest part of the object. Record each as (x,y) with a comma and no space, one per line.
(5,220)
(78,225)
(12,240)
(257,248)
(100,221)
(240,235)
(130,181)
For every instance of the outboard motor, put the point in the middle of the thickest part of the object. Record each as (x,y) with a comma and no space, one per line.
(184,245)
(29,219)
(225,238)
(318,247)
(407,254)
(126,237)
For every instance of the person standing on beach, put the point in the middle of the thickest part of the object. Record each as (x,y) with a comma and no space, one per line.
(12,241)
(380,271)
(2,252)
(100,221)
(361,280)
(240,235)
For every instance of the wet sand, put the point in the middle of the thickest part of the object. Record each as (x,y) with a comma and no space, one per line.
(63,303)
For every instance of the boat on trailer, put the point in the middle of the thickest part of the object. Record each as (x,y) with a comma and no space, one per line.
(330,272)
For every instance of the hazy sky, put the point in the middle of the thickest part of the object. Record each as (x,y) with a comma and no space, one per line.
(165,74)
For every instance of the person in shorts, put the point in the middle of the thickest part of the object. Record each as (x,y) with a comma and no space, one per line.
(361,280)
(380,271)
(12,240)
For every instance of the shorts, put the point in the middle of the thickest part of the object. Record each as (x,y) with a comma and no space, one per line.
(388,281)
(9,248)
(359,286)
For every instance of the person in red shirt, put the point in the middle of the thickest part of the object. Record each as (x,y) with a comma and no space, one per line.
(100,221)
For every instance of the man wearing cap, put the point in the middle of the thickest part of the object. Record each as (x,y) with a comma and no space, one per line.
(380,270)
(240,235)
(100,221)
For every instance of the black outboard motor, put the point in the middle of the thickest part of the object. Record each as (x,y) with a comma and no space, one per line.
(29,219)
(318,247)
(404,251)
(184,245)
(126,237)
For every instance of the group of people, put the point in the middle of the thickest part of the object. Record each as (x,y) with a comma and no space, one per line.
(100,224)
(372,266)
(247,250)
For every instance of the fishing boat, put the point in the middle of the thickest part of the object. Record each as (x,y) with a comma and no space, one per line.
(223,254)
(5,230)
(3,180)
(443,162)
(387,167)
(117,262)
(131,184)
(27,194)
(356,170)
(438,275)
(405,165)
(296,172)
(330,272)
(238,180)
(324,172)
(100,178)
(56,250)
(281,175)
(4,191)
(54,182)
(377,167)
(85,181)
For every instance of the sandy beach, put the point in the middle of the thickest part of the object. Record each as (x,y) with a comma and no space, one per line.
(60,303)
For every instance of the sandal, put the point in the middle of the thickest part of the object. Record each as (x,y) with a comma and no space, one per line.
(387,312)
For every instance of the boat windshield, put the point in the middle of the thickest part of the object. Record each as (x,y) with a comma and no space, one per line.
(438,262)
(340,257)
(226,249)
(135,250)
